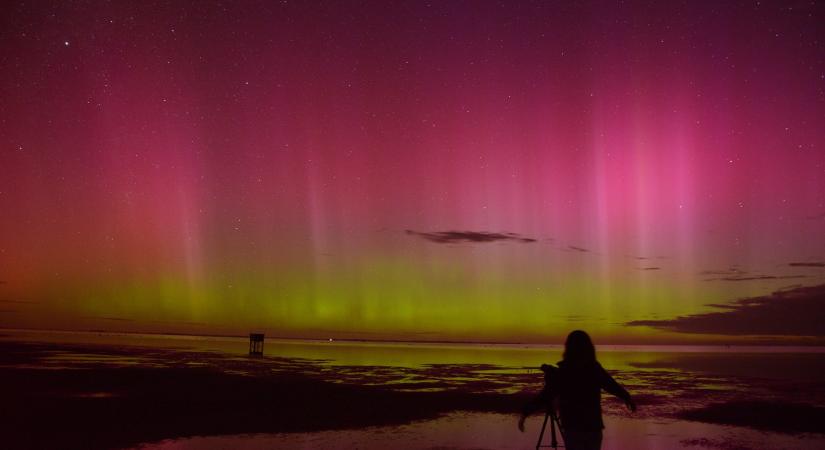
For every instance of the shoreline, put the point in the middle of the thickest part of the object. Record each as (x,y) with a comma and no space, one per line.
(684,347)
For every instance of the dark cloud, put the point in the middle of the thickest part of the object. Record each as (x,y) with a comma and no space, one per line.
(454,237)
(646,258)
(28,302)
(807,264)
(578,249)
(731,271)
(789,287)
(797,312)
(650,268)
(722,305)
(757,277)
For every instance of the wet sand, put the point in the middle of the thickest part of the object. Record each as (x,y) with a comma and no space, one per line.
(476,431)
(99,407)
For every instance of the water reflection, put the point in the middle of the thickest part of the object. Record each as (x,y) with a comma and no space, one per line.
(485,431)
(670,383)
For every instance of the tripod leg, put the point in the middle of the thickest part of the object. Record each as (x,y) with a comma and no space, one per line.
(541,434)
(554,423)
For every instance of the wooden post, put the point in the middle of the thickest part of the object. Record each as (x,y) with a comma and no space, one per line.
(256,344)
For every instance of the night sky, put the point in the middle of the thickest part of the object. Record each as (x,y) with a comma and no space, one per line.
(489,171)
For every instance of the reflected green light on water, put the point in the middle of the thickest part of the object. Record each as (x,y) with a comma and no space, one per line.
(413,355)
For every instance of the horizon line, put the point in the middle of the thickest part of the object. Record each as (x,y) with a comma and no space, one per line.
(411,341)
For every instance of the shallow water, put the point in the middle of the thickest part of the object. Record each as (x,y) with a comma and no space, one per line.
(496,431)
(666,381)
(401,354)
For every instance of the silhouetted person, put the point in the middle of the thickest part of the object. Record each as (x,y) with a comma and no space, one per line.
(576,386)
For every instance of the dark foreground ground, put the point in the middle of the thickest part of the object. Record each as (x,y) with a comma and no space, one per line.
(60,409)
(92,408)
(53,398)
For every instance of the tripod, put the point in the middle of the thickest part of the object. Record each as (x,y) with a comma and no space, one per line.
(554,420)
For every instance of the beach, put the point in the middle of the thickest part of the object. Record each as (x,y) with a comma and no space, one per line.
(103,390)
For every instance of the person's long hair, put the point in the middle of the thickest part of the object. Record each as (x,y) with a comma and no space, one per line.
(579,348)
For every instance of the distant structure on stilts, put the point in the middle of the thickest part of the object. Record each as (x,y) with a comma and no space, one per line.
(256,344)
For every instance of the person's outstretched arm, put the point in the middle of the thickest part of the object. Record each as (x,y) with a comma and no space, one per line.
(611,386)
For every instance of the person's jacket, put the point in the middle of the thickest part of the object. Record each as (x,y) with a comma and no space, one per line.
(578,389)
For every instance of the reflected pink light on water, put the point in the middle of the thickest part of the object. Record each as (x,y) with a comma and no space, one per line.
(487,431)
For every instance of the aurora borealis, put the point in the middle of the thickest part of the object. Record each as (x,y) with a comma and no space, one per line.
(487,171)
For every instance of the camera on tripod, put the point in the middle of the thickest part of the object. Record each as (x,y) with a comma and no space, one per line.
(545,399)
(551,374)
(549,369)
